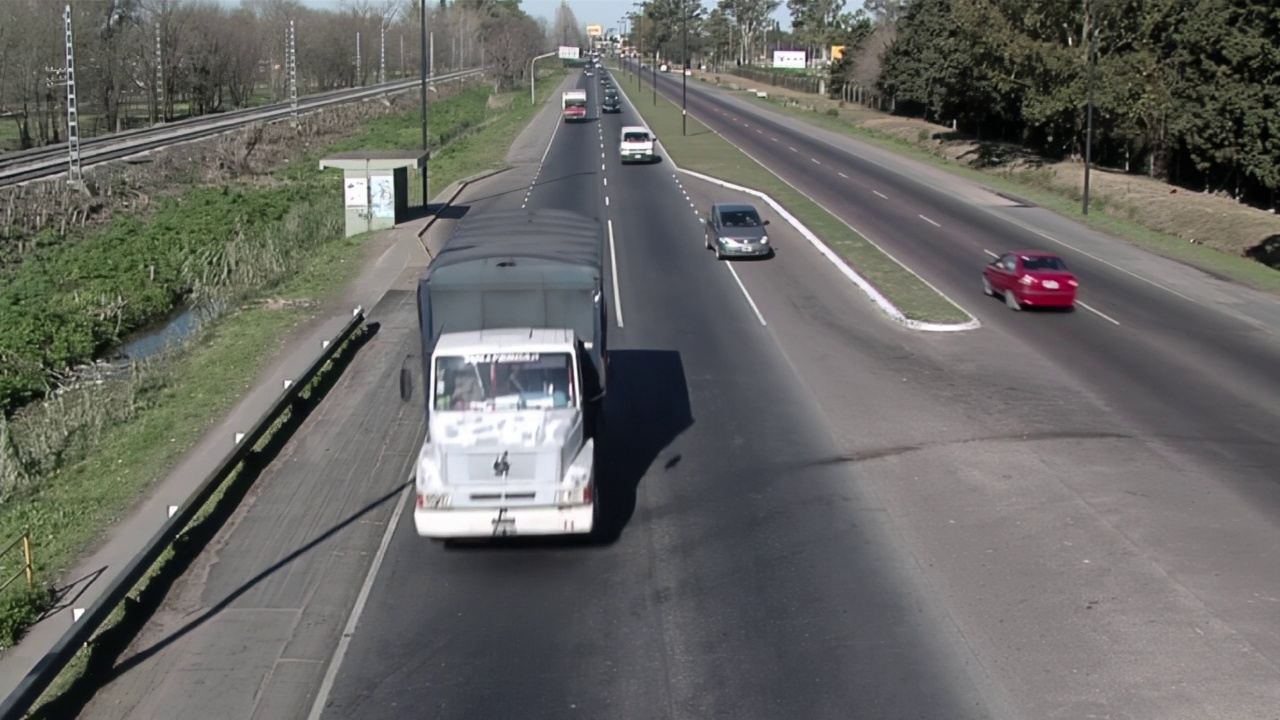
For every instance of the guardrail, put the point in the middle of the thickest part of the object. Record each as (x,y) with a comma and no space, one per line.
(52,160)
(28,566)
(38,679)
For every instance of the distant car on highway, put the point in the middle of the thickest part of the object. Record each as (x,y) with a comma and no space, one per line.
(636,144)
(611,103)
(736,229)
(1031,278)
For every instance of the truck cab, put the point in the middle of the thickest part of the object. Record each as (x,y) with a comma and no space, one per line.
(513,322)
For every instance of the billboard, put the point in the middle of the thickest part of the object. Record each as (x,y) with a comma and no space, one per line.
(837,52)
(789,59)
(595,31)
(568,52)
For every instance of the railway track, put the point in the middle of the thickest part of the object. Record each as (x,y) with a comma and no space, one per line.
(50,161)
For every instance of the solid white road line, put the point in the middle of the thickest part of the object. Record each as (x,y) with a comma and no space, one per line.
(746,294)
(929,221)
(331,674)
(1111,264)
(877,192)
(1099,313)
(613,262)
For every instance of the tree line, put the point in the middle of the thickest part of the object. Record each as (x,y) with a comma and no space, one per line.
(1187,91)
(139,62)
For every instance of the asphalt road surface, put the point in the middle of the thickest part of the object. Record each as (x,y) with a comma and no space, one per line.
(818,514)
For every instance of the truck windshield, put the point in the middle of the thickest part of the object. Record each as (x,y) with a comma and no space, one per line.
(575,103)
(504,381)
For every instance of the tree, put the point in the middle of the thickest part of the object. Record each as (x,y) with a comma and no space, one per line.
(565,28)
(749,17)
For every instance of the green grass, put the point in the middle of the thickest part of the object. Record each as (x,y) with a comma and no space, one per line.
(68,510)
(705,152)
(1067,204)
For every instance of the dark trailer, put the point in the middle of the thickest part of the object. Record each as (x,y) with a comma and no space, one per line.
(520,268)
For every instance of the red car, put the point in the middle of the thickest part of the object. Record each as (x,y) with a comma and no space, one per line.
(1031,278)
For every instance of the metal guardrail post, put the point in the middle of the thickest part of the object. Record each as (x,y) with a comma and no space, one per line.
(28,565)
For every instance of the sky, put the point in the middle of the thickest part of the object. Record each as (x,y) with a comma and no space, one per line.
(588,12)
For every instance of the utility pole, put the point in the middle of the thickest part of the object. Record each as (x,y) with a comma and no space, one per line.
(159,78)
(640,47)
(684,72)
(1091,49)
(382,54)
(292,54)
(433,54)
(359,76)
(422,36)
(402,66)
(75,175)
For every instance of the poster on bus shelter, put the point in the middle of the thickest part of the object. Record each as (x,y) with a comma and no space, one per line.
(383,196)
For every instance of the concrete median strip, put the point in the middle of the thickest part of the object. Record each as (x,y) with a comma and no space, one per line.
(887,307)
(921,306)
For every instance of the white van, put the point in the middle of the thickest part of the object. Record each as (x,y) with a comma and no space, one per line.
(636,144)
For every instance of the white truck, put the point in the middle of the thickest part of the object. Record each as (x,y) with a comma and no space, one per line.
(574,105)
(513,320)
(636,144)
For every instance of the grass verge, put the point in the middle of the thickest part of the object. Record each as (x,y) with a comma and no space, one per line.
(706,152)
(203,379)
(1113,212)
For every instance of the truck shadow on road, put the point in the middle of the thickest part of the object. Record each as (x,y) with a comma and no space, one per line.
(647,408)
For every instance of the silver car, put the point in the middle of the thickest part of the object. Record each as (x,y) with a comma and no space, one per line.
(736,229)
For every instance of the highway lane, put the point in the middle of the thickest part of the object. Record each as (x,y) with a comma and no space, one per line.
(751,577)
(1185,516)
(1093,570)
(1200,378)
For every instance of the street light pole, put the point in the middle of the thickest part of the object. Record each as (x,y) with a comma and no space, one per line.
(426,180)
(1088,132)
(684,72)
(533,100)
(640,48)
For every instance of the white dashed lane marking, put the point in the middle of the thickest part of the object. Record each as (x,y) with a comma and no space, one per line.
(929,221)
(877,192)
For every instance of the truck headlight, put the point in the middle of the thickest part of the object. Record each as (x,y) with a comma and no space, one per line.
(430,486)
(576,486)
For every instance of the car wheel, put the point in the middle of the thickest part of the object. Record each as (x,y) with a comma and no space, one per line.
(719,252)
(986,287)
(1011,300)
(706,241)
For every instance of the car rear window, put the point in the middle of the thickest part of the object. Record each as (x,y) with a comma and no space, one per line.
(1043,263)
(739,218)
(635,137)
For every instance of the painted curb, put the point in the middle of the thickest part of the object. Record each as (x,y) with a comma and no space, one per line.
(883,303)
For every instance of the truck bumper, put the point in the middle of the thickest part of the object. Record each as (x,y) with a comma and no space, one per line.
(499,522)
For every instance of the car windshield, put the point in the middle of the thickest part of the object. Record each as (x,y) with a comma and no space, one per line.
(739,218)
(503,381)
(1034,263)
(635,137)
